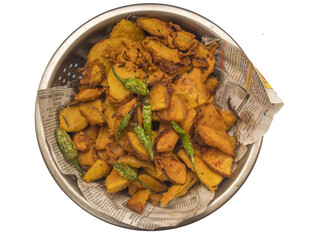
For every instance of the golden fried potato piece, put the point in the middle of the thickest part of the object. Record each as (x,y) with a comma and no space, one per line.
(82,142)
(115,182)
(176,112)
(216,138)
(98,170)
(109,116)
(154,184)
(210,117)
(228,118)
(155,198)
(233,141)
(173,168)
(166,141)
(189,120)
(137,146)
(211,84)
(153,172)
(157,28)
(71,119)
(132,161)
(92,113)
(137,201)
(178,190)
(218,161)
(87,159)
(126,107)
(116,90)
(114,151)
(127,29)
(103,138)
(208,177)
(183,40)
(159,97)
(89,94)
(190,88)
(133,188)
(93,73)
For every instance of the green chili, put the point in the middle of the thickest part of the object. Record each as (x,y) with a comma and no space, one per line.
(134,85)
(147,112)
(143,138)
(187,146)
(68,148)
(127,172)
(124,123)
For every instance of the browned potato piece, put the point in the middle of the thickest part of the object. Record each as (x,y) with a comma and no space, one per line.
(208,177)
(132,161)
(86,159)
(178,190)
(98,170)
(188,122)
(184,40)
(115,182)
(155,198)
(93,74)
(109,115)
(103,138)
(133,187)
(137,201)
(154,184)
(91,132)
(81,141)
(210,117)
(173,168)
(216,138)
(228,118)
(211,84)
(92,114)
(71,119)
(233,141)
(89,94)
(157,28)
(116,90)
(166,141)
(176,111)
(114,151)
(159,97)
(137,146)
(153,172)
(218,161)
(123,109)
(127,29)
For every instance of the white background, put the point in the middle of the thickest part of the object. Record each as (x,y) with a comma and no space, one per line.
(277,200)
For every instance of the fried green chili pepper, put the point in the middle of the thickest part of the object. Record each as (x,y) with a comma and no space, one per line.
(147,112)
(134,85)
(187,146)
(124,123)
(68,148)
(127,172)
(143,138)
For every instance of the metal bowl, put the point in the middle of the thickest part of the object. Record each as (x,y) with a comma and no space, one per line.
(72,54)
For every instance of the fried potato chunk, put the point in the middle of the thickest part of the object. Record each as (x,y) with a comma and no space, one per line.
(137,201)
(132,161)
(89,94)
(211,84)
(82,142)
(98,170)
(137,146)
(208,177)
(210,117)
(218,161)
(159,97)
(189,120)
(216,138)
(178,190)
(175,112)
(127,29)
(173,168)
(87,159)
(153,172)
(115,182)
(92,113)
(103,138)
(154,184)
(71,119)
(166,141)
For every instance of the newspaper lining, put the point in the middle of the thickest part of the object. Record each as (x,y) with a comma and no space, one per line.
(242,90)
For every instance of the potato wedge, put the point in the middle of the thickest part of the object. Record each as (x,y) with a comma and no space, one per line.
(211,84)
(109,116)
(89,94)
(173,168)
(137,146)
(208,177)
(155,198)
(218,161)
(115,182)
(103,138)
(216,138)
(98,170)
(71,119)
(188,122)
(87,159)
(92,114)
(132,161)
(154,184)
(166,140)
(137,201)
(127,29)
(178,190)
(210,117)
(176,111)
(159,97)
(82,142)
(153,172)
